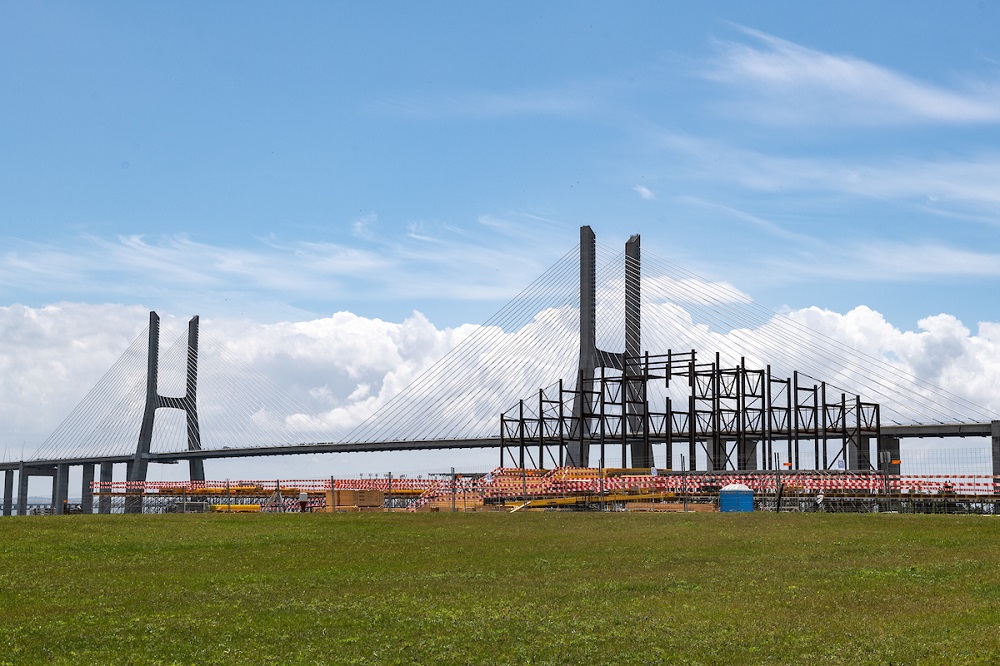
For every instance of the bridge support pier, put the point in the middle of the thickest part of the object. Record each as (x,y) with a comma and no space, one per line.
(107,476)
(8,492)
(888,450)
(633,369)
(859,455)
(60,489)
(131,505)
(86,491)
(24,474)
(746,455)
(22,490)
(717,460)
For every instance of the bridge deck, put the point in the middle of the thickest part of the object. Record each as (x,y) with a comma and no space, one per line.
(983,429)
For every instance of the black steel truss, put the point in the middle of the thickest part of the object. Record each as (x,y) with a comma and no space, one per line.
(761,414)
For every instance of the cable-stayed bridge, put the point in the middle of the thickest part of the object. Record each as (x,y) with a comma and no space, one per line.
(608,358)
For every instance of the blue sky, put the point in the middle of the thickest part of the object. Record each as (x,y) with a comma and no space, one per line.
(282,161)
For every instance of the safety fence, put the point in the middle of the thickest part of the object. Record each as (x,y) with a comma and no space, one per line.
(515,481)
(503,485)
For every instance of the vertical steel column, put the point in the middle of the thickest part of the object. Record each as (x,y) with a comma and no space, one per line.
(86,490)
(823,423)
(8,492)
(541,429)
(521,434)
(693,433)
(503,439)
(741,419)
(718,462)
(815,409)
(623,423)
(107,476)
(578,449)
(562,432)
(791,425)
(768,424)
(861,458)
(995,432)
(693,414)
(844,432)
(602,422)
(669,427)
(645,414)
(746,451)
(794,402)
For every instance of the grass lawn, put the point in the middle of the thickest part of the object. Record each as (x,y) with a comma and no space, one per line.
(500,589)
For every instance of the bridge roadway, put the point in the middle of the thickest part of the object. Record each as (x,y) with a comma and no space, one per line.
(984,429)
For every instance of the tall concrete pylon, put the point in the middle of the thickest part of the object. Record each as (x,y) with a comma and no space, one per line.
(633,366)
(629,362)
(188,404)
(578,449)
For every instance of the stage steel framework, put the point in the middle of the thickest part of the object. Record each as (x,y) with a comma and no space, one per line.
(749,407)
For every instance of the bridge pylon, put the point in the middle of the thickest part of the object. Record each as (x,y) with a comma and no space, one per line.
(629,362)
(188,404)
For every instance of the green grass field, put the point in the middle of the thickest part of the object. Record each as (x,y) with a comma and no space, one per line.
(500,589)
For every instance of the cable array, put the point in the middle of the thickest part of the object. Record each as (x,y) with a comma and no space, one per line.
(240,407)
(237,406)
(684,311)
(531,342)
(109,416)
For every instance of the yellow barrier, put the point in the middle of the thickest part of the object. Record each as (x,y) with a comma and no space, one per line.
(236,508)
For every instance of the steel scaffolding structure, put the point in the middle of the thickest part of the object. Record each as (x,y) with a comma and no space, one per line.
(749,407)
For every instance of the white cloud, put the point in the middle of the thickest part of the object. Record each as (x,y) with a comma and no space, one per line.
(322,376)
(362,226)
(339,370)
(903,261)
(784,82)
(644,192)
(759,222)
(179,272)
(943,352)
(946,184)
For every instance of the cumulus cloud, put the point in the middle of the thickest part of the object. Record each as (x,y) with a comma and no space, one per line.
(322,377)
(342,369)
(50,357)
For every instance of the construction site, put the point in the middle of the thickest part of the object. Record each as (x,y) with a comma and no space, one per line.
(704,390)
(566,489)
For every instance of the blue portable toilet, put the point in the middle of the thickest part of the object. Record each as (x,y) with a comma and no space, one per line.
(736,497)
